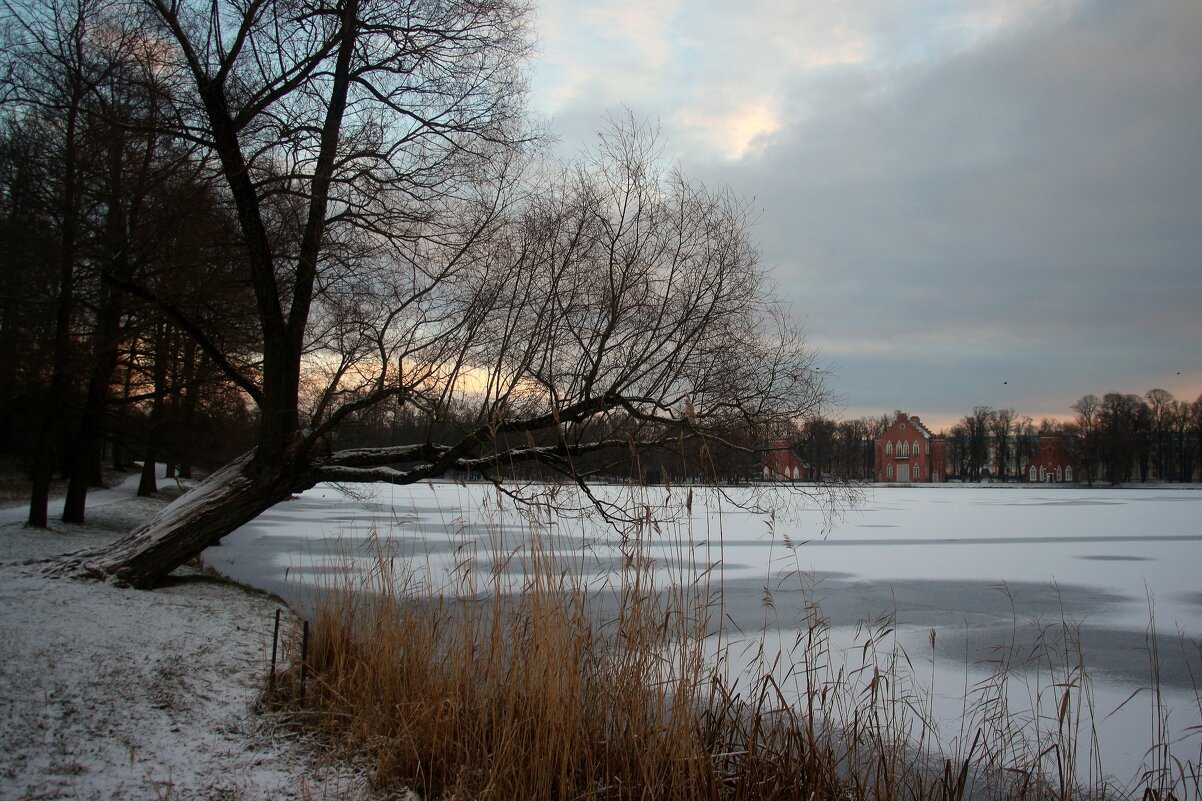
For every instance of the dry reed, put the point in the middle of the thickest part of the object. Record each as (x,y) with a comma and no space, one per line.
(525,678)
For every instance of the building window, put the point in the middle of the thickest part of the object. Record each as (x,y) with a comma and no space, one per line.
(1032,472)
(1059,473)
(917,448)
(928,447)
(917,472)
(1068,473)
(889,471)
(888,448)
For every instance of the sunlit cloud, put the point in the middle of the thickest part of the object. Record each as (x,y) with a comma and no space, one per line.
(714,74)
(735,131)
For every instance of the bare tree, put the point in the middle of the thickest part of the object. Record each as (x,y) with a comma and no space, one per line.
(1087,443)
(88,91)
(131,166)
(26,236)
(1182,448)
(977,428)
(370,150)
(57,56)
(1123,419)
(1191,452)
(1160,406)
(1001,429)
(1026,444)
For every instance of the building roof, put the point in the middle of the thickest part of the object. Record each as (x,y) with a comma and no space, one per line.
(913,420)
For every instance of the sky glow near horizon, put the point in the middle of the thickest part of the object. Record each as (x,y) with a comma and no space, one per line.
(950,195)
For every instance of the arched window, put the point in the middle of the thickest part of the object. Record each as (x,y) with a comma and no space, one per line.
(917,472)
(917,448)
(889,471)
(1033,474)
(888,448)
(1068,473)
(928,447)
(1059,473)
(903,449)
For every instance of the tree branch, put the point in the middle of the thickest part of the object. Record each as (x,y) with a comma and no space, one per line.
(184,322)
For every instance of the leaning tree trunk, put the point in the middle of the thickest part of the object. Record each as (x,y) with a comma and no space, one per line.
(230,497)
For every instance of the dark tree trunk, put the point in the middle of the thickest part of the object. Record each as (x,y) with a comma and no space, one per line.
(96,467)
(39,496)
(86,455)
(187,401)
(49,431)
(79,477)
(10,336)
(148,485)
(229,498)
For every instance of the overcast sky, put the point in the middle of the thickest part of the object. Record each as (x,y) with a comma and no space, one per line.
(985,202)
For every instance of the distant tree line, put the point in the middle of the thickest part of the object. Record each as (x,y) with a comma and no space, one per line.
(1118,438)
(841,449)
(1122,438)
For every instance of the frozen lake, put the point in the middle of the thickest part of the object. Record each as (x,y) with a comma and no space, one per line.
(981,566)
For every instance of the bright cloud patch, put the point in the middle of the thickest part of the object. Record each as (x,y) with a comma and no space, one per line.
(733,133)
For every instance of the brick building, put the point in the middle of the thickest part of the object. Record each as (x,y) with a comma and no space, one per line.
(781,463)
(907,452)
(1051,464)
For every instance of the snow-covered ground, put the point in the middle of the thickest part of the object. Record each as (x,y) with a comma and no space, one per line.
(981,566)
(110,693)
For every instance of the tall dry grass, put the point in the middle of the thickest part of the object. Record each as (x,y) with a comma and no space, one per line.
(525,678)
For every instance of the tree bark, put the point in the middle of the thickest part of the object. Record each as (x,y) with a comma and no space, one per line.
(49,430)
(229,498)
(86,456)
(147,484)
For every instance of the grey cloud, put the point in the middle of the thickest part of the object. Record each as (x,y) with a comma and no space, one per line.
(1033,204)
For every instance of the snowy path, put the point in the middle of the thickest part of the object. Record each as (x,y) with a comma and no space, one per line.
(97,498)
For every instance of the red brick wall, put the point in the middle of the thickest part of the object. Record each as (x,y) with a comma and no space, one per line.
(907,453)
(1052,463)
(781,464)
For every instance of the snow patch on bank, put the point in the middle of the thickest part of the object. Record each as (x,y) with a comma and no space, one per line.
(110,693)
